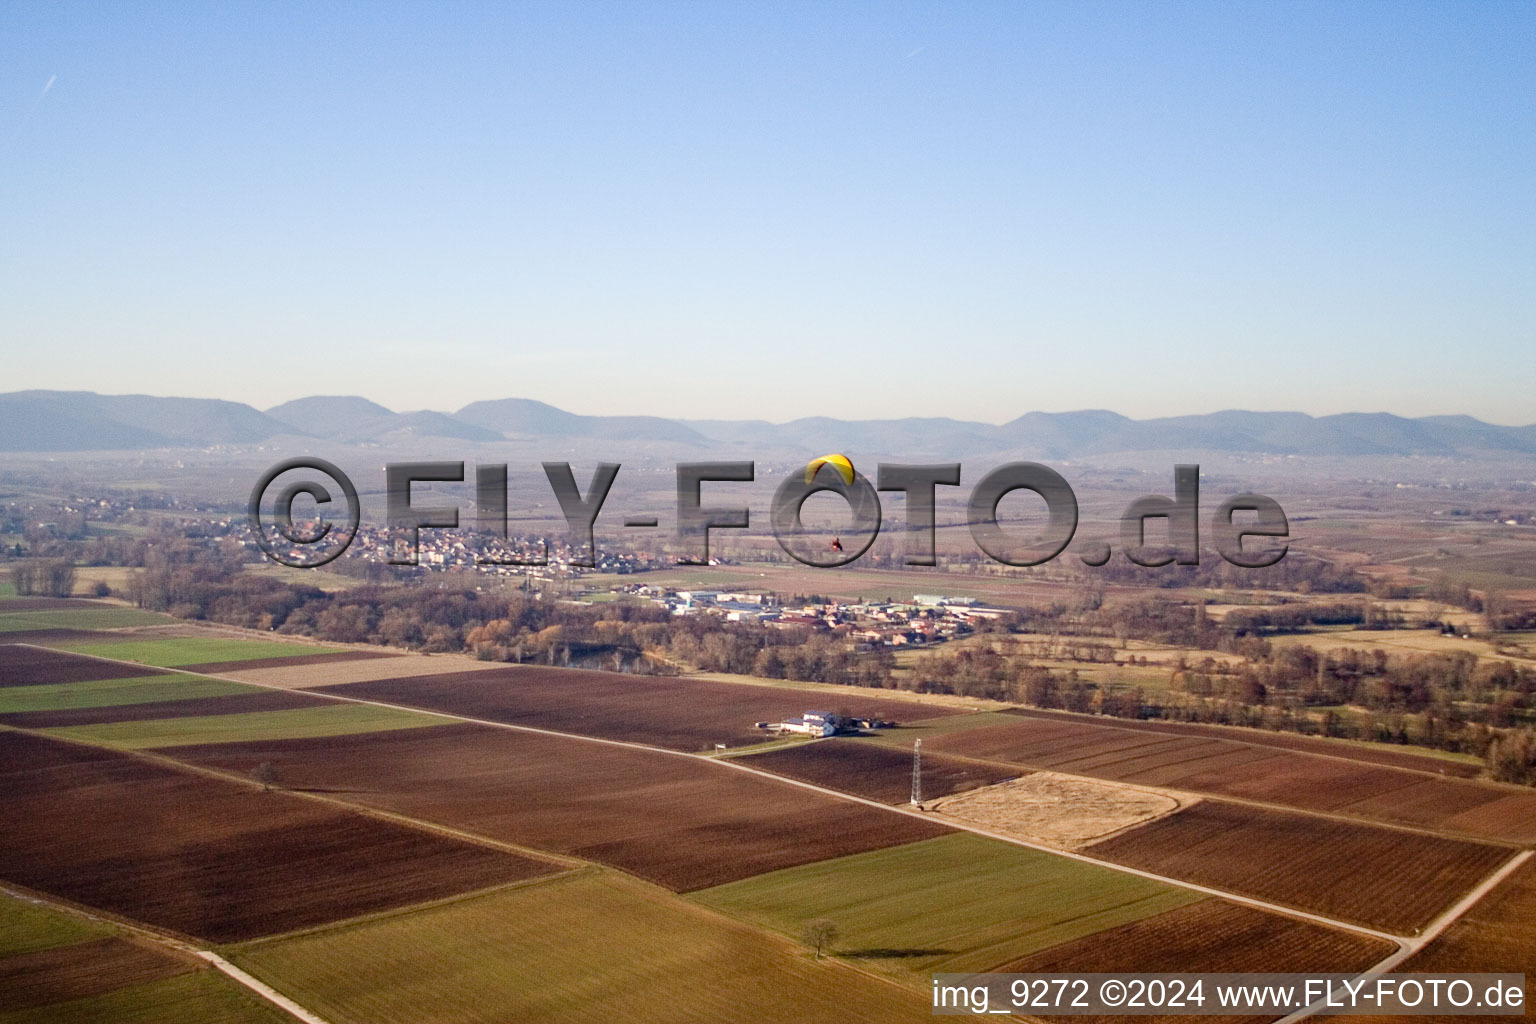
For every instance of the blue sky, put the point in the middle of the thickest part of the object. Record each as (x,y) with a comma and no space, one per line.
(776,210)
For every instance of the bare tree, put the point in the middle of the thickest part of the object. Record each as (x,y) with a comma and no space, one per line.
(820,934)
(265,774)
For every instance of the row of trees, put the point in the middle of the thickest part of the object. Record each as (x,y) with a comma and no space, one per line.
(44,577)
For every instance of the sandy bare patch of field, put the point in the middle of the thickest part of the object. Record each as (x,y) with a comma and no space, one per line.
(1059,810)
(301,677)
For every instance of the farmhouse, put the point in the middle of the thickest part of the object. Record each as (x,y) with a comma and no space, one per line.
(811,723)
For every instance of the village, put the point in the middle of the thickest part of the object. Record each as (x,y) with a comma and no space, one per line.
(925,619)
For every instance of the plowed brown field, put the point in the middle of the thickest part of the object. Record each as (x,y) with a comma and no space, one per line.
(1223,767)
(686,823)
(1213,936)
(210,858)
(876,772)
(680,714)
(1385,878)
(229,704)
(33,666)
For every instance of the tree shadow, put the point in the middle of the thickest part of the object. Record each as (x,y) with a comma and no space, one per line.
(882,953)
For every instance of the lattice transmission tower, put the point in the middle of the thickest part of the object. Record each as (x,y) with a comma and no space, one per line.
(917,774)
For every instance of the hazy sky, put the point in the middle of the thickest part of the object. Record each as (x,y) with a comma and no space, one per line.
(774,210)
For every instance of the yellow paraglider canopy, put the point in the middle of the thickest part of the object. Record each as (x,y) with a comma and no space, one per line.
(838,462)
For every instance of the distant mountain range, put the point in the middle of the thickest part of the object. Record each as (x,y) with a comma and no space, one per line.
(57,421)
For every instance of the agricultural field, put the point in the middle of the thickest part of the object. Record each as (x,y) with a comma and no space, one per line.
(1064,812)
(26,927)
(101,693)
(683,822)
(14,604)
(56,966)
(1399,641)
(364,919)
(245,701)
(1213,935)
(117,577)
(586,946)
(956,903)
(304,673)
(98,692)
(210,858)
(876,772)
(93,616)
(184,651)
(1418,759)
(685,714)
(37,666)
(51,637)
(318,719)
(81,970)
(294,659)
(1385,878)
(1223,767)
(202,996)
(1498,935)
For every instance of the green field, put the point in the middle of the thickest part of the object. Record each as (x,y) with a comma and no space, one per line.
(200,997)
(105,693)
(27,927)
(329,719)
(589,946)
(81,618)
(7,589)
(175,651)
(957,903)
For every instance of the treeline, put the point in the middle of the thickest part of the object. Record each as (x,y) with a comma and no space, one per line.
(439,617)
(45,577)
(1449,701)
(1294,617)
(1295,572)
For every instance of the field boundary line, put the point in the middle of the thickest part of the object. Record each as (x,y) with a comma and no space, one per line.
(1428,935)
(377,916)
(261,988)
(255,985)
(734,765)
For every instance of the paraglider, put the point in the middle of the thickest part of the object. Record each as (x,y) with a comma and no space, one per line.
(838,462)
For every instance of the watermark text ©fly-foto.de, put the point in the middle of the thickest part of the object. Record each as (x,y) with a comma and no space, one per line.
(284,541)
